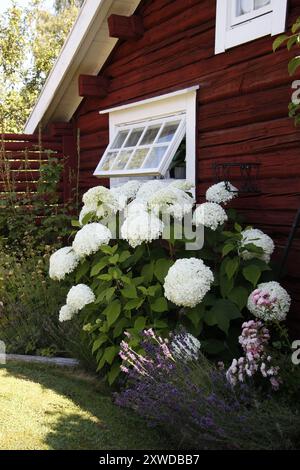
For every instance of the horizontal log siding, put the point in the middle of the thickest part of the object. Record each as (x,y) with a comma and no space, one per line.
(242,107)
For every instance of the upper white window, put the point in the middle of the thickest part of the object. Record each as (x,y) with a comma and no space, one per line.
(145,136)
(240,21)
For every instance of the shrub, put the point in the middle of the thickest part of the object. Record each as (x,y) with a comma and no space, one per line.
(149,279)
(29,304)
(191,400)
(33,219)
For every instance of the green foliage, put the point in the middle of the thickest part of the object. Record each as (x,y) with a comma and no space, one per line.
(30,41)
(34,219)
(291,41)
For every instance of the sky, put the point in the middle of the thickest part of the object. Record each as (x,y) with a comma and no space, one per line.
(5,3)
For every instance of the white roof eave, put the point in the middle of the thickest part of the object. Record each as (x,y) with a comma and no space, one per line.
(85,51)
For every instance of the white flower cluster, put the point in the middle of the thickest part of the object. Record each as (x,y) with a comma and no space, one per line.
(171,201)
(141,227)
(185,346)
(63,262)
(187,282)
(89,239)
(128,190)
(101,201)
(210,215)
(270,301)
(184,185)
(219,193)
(261,240)
(148,189)
(78,297)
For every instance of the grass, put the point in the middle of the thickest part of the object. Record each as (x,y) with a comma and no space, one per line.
(44,408)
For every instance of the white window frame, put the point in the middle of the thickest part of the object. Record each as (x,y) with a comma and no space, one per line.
(182,102)
(232,31)
(171,147)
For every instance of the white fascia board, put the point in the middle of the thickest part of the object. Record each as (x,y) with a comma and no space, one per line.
(66,57)
(150,100)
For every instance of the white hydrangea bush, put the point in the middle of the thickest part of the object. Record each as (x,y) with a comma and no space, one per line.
(143,279)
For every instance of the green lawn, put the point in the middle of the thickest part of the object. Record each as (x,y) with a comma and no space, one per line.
(50,408)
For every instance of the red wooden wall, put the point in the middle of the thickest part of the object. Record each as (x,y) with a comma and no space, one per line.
(242,107)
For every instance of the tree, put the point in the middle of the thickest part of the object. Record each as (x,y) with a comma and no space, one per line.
(30,41)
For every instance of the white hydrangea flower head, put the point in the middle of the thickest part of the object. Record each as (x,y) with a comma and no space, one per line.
(219,193)
(62,262)
(120,197)
(185,346)
(210,215)
(102,201)
(135,208)
(89,239)
(187,282)
(184,185)
(140,228)
(259,239)
(79,296)
(127,190)
(85,211)
(171,201)
(65,314)
(269,302)
(148,189)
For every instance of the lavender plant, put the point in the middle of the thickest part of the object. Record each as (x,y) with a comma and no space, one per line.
(174,386)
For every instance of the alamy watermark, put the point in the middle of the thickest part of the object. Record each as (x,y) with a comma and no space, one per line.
(296,353)
(2,353)
(296,93)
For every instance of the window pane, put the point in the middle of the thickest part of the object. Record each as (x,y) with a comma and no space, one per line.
(168,132)
(261,3)
(134,137)
(138,159)
(243,7)
(150,135)
(122,160)
(119,140)
(155,157)
(109,161)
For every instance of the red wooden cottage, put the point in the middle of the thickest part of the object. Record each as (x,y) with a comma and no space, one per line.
(199,71)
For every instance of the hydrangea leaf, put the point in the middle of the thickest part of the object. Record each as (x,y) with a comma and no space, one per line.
(159,305)
(140,324)
(221,314)
(129,292)
(112,312)
(161,268)
(239,295)
(252,273)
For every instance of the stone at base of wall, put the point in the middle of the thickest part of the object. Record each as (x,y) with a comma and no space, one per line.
(58,361)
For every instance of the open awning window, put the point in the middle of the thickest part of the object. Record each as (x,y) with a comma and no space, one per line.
(143,148)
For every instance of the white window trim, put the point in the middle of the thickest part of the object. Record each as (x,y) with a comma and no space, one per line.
(182,101)
(267,22)
(171,147)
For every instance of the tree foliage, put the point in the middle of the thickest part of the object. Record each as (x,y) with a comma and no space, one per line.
(292,41)
(30,41)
